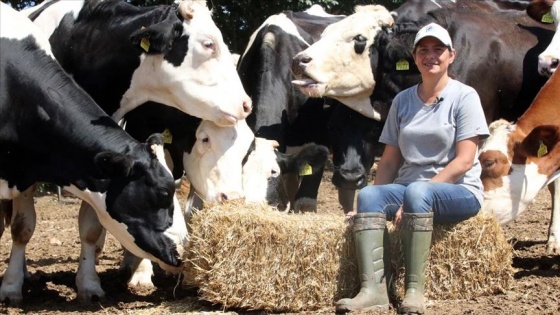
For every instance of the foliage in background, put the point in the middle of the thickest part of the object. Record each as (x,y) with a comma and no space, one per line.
(237,19)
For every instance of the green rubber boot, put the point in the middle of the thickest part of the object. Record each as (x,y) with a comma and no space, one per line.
(417,238)
(369,230)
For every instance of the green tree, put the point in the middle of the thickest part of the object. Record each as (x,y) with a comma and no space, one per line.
(238,19)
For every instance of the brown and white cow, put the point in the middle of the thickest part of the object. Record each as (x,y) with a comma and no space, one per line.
(547,11)
(520,159)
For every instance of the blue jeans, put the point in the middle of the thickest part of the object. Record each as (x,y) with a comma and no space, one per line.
(450,203)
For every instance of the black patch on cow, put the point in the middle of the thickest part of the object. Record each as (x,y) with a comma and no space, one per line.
(178,52)
(35,14)
(152,117)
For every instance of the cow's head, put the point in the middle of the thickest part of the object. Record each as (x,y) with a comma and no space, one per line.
(213,165)
(512,167)
(338,65)
(186,64)
(547,11)
(141,209)
(355,143)
(262,180)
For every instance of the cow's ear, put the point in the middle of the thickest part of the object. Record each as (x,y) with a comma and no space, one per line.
(311,158)
(155,144)
(157,38)
(541,140)
(112,164)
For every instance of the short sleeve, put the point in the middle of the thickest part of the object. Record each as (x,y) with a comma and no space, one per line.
(470,117)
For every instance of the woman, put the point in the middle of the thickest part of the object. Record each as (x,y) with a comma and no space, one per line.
(428,172)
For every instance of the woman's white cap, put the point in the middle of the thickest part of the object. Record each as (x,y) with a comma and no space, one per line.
(436,31)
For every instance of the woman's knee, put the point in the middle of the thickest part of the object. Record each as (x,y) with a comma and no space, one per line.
(367,198)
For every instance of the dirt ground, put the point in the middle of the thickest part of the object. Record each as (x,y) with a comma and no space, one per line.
(53,252)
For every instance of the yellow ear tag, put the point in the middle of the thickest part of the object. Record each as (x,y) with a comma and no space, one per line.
(306,170)
(167,136)
(542,150)
(547,18)
(145,44)
(402,65)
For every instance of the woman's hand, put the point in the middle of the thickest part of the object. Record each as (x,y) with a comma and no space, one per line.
(398,217)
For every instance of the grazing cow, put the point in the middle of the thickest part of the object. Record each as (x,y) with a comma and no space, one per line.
(282,113)
(520,159)
(52,131)
(547,11)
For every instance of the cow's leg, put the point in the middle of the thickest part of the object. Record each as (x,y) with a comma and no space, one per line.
(553,245)
(346,200)
(306,196)
(87,280)
(22,228)
(100,244)
(140,270)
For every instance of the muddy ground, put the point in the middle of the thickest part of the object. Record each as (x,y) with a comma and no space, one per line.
(53,253)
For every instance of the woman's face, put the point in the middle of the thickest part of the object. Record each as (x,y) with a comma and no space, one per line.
(432,57)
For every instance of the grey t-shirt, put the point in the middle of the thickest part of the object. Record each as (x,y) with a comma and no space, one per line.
(427,134)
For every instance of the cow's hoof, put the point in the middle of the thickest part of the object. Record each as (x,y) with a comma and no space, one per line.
(91,296)
(140,279)
(553,246)
(305,205)
(11,298)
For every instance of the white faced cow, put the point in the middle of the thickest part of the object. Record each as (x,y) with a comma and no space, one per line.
(547,11)
(52,131)
(520,159)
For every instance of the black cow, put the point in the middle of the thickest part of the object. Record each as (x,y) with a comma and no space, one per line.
(52,131)
(282,113)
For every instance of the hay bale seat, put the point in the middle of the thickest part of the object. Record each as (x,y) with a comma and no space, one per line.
(256,258)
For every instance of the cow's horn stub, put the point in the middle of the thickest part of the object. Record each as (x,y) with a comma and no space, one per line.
(187,8)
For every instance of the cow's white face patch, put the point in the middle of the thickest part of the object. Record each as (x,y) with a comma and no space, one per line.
(49,20)
(260,166)
(205,84)
(338,65)
(519,188)
(214,165)
(24,29)
(498,138)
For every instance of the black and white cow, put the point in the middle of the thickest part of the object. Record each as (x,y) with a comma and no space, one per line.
(173,55)
(52,131)
(282,113)
(547,11)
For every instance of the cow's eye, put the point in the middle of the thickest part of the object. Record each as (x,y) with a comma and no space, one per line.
(360,44)
(487,163)
(360,39)
(206,140)
(208,44)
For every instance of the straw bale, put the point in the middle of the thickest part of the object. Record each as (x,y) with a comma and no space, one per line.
(467,260)
(257,258)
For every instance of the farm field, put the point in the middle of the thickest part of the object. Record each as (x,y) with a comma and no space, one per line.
(54,249)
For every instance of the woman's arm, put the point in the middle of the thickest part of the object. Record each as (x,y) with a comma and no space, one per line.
(388,165)
(463,161)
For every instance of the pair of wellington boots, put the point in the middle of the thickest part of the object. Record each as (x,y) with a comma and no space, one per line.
(371,241)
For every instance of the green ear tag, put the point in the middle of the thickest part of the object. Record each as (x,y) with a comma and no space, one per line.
(542,150)
(145,44)
(306,170)
(167,136)
(547,18)
(402,65)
